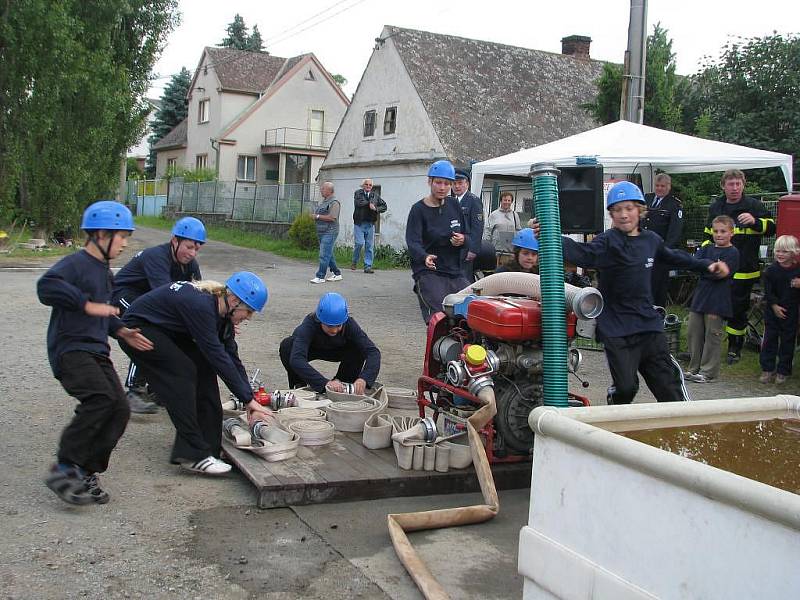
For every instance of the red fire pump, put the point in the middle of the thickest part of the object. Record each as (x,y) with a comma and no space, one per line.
(510,330)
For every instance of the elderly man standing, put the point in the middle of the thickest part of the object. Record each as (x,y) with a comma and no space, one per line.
(664,217)
(472,207)
(502,224)
(367,205)
(326,215)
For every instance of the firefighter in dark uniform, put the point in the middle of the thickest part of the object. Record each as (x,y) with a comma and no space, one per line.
(664,217)
(753,221)
(472,207)
(152,268)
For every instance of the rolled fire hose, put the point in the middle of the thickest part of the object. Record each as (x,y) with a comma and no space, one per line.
(236,431)
(313,432)
(295,413)
(377,432)
(586,303)
(401,523)
(401,397)
(350,415)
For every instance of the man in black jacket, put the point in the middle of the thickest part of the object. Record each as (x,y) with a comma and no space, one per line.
(472,207)
(664,217)
(367,206)
(753,221)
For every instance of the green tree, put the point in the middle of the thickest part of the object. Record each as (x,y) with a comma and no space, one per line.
(339,79)
(661,107)
(73,75)
(172,111)
(749,95)
(254,42)
(237,34)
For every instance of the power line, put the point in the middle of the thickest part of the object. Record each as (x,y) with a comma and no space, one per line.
(296,25)
(328,18)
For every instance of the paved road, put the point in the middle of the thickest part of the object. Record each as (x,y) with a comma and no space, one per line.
(167,534)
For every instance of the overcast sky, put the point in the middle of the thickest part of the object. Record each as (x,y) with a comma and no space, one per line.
(341,33)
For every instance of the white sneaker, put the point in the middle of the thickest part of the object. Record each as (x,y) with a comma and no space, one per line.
(207,466)
(317,280)
(333,277)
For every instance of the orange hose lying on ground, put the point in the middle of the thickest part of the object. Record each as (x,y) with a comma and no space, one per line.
(401,523)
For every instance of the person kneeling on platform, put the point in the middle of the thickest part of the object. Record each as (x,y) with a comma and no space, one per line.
(330,334)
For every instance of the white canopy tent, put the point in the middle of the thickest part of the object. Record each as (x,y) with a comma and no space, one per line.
(625,147)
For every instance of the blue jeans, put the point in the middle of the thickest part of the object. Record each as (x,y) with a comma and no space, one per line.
(326,259)
(363,235)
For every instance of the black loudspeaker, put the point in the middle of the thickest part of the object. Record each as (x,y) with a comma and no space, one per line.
(580,199)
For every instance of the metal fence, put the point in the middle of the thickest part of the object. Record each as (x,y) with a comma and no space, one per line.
(235,199)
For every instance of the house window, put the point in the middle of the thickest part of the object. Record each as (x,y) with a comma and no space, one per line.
(172,165)
(201,161)
(246,168)
(317,128)
(297,169)
(369,123)
(390,120)
(202,111)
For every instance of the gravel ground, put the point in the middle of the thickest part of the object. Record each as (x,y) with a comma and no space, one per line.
(168,534)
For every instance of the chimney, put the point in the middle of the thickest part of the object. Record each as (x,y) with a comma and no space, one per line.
(576,45)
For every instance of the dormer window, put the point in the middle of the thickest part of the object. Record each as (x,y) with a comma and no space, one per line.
(310,76)
(203,110)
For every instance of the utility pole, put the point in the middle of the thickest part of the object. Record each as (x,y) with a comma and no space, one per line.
(632,104)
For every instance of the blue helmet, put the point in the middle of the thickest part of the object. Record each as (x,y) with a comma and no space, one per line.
(191,229)
(622,191)
(249,288)
(332,309)
(442,169)
(107,214)
(526,238)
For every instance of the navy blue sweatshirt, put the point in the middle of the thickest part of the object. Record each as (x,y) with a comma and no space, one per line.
(712,296)
(428,231)
(778,289)
(67,287)
(181,309)
(309,335)
(149,269)
(624,264)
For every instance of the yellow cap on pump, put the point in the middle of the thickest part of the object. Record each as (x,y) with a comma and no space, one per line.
(476,355)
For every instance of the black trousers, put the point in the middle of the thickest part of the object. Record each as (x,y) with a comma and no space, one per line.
(659,281)
(101,415)
(186,383)
(648,354)
(134,379)
(736,326)
(779,341)
(350,359)
(431,288)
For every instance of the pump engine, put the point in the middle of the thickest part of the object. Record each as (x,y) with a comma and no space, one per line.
(510,330)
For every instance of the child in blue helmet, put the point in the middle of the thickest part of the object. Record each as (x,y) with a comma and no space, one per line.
(192,326)
(526,253)
(435,235)
(631,329)
(78,288)
(330,334)
(149,269)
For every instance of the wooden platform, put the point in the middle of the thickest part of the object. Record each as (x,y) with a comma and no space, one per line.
(346,470)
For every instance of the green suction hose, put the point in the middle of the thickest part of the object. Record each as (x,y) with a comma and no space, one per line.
(551,278)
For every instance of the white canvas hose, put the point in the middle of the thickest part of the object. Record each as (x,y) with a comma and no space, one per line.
(350,415)
(294,413)
(400,524)
(313,432)
(586,303)
(404,398)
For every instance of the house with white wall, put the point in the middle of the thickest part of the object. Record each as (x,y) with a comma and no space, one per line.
(141,150)
(255,118)
(426,96)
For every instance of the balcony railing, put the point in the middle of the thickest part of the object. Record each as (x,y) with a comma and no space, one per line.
(304,139)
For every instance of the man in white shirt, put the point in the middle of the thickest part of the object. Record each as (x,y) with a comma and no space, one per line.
(503,220)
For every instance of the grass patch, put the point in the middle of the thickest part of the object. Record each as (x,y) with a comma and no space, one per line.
(25,254)
(260,241)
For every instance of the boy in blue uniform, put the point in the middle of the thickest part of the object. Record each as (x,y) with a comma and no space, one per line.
(149,269)
(631,329)
(192,326)
(330,334)
(434,237)
(711,305)
(78,288)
